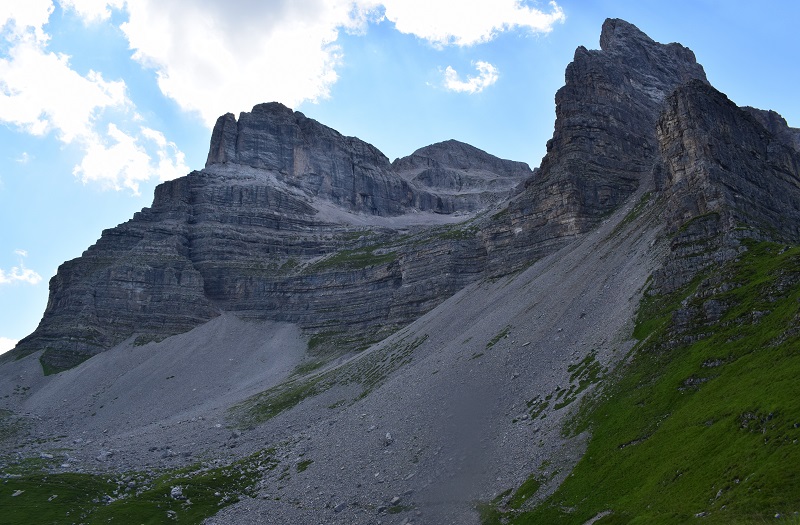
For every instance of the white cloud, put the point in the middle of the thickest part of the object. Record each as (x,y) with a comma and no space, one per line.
(467,22)
(120,160)
(487,75)
(92,10)
(19,18)
(40,93)
(7,344)
(212,57)
(24,158)
(19,273)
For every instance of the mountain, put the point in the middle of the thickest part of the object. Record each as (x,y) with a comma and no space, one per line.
(306,332)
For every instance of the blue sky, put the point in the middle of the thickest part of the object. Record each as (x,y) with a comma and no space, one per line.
(100,100)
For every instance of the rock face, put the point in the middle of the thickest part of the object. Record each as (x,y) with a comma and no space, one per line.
(604,142)
(356,175)
(459,173)
(725,176)
(291,221)
(281,225)
(776,124)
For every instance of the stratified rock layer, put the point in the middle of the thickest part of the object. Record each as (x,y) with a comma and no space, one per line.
(724,176)
(281,225)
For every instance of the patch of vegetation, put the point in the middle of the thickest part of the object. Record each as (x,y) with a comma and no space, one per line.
(42,497)
(496,339)
(11,426)
(353,260)
(372,372)
(582,376)
(277,399)
(537,406)
(727,448)
(334,343)
(303,465)
(528,488)
(48,369)
(306,368)
(369,372)
(633,214)
(458,232)
(144,339)
(502,214)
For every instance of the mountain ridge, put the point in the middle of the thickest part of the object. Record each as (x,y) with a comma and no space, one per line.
(402,353)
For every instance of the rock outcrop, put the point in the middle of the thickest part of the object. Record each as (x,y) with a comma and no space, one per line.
(725,176)
(354,174)
(604,142)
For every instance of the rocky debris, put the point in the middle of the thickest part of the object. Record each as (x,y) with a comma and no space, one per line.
(177,493)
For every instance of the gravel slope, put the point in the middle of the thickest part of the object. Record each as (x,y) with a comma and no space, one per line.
(434,418)
(460,427)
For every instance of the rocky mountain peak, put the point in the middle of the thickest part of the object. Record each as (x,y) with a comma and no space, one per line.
(458,155)
(619,35)
(643,54)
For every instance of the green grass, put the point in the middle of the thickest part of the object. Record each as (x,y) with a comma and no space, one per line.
(66,498)
(528,488)
(369,372)
(496,339)
(703,420)
(353,260)
(303,465)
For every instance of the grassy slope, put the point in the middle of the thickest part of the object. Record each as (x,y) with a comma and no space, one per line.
(702,421)
(87,498)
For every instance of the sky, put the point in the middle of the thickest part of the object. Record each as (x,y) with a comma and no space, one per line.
(101,100)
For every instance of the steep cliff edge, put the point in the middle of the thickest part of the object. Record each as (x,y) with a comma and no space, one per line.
(724,177)
(604,142)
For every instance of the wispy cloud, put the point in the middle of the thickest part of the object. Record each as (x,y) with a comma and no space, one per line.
(19,274)
(487,75)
